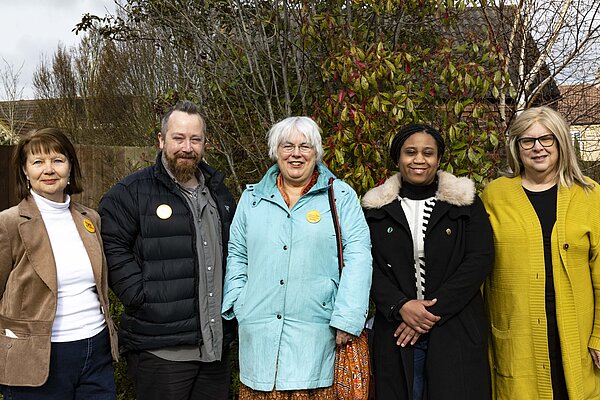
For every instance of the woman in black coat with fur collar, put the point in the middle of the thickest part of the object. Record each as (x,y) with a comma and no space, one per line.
(430,329)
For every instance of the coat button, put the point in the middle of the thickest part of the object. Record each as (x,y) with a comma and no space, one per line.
(278,316)
(566,246)
(285,247)
(448,231)
(281,282)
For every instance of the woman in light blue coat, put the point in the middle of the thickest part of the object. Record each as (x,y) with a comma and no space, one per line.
(283,283)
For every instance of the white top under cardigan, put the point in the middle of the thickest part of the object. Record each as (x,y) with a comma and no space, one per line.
(78,312)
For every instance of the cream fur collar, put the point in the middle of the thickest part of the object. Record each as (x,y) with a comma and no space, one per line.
(451,189)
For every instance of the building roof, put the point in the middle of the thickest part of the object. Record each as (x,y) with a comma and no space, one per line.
(18,115)
(580,104)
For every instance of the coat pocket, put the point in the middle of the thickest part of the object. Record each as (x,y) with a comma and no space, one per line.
(502,352)
(511,353)
(24,360)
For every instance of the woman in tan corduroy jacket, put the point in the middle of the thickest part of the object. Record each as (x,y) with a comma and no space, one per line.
(56,334)
(543,295)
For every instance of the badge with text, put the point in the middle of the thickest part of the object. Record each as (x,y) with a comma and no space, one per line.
(89,226)
(313,216)
(164,211)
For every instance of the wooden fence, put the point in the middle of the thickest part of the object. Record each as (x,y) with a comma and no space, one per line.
(102,167)
(7,180)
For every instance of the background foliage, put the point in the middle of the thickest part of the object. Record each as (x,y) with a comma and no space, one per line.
(360,68)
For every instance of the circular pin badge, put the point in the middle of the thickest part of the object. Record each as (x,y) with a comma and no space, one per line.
(313,216)
(164,211)
(89,226)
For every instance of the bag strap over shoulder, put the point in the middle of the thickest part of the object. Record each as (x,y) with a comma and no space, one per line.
(336,224)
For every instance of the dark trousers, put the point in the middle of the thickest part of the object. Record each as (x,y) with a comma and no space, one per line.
(79,370)
(557,373)
(157,379)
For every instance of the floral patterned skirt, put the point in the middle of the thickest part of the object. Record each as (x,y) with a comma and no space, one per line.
(327,393)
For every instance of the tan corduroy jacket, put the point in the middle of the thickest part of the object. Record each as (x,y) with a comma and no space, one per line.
(28,289)
(515,292)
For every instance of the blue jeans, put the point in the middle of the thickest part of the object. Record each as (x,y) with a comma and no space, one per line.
(420,374)
(79,370)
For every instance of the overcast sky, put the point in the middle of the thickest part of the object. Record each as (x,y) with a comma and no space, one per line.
(32,29)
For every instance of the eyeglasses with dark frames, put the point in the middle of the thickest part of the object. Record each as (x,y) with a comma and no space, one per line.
(527,143)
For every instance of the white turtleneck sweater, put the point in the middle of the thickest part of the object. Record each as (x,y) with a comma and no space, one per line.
(78,311)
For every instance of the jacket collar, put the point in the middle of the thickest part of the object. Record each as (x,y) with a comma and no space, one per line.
(268,184)
(37,243)
(90,236)
(451,189)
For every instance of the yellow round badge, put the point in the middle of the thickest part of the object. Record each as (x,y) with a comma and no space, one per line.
(89,226)
(164,211)
(313,216)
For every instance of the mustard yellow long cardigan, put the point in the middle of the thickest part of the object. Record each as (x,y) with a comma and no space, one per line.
(514,292)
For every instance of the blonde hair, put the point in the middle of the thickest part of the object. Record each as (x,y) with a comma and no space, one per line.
(568,171)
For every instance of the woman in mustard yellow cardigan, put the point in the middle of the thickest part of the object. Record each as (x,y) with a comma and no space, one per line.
(543,295)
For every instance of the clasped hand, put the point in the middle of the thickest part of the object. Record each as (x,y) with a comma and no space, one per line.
(416,320)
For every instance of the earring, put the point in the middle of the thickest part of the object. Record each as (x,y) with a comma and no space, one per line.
(28,184)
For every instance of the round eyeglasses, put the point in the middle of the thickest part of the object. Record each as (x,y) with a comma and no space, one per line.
(527,143)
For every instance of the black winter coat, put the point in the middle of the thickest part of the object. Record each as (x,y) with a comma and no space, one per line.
(458,257)
(153,264)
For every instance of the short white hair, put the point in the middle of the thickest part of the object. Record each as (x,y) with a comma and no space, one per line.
(283,130)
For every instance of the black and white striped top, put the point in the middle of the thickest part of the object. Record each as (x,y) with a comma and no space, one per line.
(418,213)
